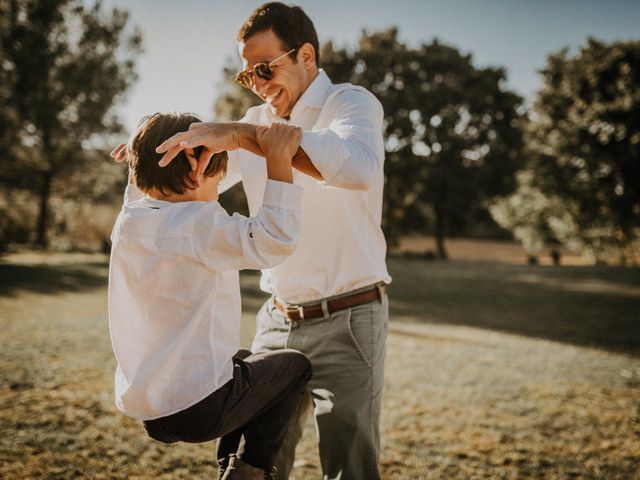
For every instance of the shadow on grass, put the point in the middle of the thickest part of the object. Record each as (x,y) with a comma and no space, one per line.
(585,306)
(51,279)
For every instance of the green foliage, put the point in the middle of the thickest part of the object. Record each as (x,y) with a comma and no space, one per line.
(63,67)
(452,136)
(234,100)
(231,105)
(534,217)
(8,117)
(585,142)
(83,206)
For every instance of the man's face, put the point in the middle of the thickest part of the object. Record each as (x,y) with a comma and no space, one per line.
(289,80)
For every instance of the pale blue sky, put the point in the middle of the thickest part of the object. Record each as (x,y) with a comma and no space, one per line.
(186,42)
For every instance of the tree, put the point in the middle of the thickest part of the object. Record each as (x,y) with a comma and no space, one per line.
(452,137)
(585,142)
(235,100)
(453,140)
(65,65)
(534,218)
(8,117)
(231,105)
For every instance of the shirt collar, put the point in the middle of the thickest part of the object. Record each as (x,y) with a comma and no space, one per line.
(313,97)
(151,202)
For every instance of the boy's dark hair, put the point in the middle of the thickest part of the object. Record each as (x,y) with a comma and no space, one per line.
(289,22)
(143,159)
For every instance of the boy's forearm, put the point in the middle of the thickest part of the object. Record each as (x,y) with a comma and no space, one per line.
(279,168)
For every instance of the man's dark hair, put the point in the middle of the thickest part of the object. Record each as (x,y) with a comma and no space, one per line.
(289,22)
(143,159)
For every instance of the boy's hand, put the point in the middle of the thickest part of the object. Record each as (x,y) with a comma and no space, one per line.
(279,142)
(119,154)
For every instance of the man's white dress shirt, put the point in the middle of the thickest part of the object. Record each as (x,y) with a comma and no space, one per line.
(174,293)
(341,246)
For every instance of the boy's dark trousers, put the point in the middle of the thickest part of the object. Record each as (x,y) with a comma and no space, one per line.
(258,403)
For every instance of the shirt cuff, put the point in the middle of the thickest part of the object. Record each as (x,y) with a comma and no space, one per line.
(326,151)
(283,195)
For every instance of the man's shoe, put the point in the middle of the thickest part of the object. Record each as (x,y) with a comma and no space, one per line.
(239,470)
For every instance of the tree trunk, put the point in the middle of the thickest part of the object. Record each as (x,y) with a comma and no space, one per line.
(441,251)
(44,191)
(43,212)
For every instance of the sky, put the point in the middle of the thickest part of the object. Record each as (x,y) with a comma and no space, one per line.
(187,43)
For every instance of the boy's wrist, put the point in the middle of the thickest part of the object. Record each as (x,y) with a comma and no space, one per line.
(279,168)
(279,158)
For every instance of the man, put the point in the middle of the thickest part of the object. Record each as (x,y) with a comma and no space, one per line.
(328,299)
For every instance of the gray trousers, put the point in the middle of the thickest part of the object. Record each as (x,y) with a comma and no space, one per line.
(347,352)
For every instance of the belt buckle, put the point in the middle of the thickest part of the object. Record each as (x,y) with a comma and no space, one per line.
(298,308)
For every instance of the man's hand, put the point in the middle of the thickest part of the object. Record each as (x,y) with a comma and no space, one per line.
(119,154)
(213,137)
(246,137)
(279,142)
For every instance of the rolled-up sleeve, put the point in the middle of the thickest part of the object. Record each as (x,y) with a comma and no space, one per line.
(350,151)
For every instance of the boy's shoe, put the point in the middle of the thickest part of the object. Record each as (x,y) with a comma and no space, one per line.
(239,470)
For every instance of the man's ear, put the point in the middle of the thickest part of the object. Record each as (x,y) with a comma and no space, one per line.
(307,55)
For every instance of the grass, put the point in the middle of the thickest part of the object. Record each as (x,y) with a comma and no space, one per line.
(493,371)
(586,306)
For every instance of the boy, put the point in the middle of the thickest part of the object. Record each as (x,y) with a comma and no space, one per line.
(174,301)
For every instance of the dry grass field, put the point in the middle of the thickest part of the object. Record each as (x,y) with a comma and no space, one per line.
(494,371)
(470,250)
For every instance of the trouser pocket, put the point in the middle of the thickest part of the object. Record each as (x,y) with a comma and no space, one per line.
(366,326)
(360,334)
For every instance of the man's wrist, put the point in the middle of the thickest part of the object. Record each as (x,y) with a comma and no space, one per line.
(245,136)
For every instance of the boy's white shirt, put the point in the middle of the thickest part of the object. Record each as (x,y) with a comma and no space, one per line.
(174,294)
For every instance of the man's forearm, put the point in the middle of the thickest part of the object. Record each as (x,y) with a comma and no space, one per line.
(246,135)
(303,164)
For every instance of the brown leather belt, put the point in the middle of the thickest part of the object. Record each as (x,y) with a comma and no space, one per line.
(307,312)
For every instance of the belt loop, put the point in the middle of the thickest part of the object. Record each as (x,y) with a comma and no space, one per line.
(325,307)
(380,287)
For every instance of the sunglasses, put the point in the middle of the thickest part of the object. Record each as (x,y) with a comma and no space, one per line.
(263,70)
